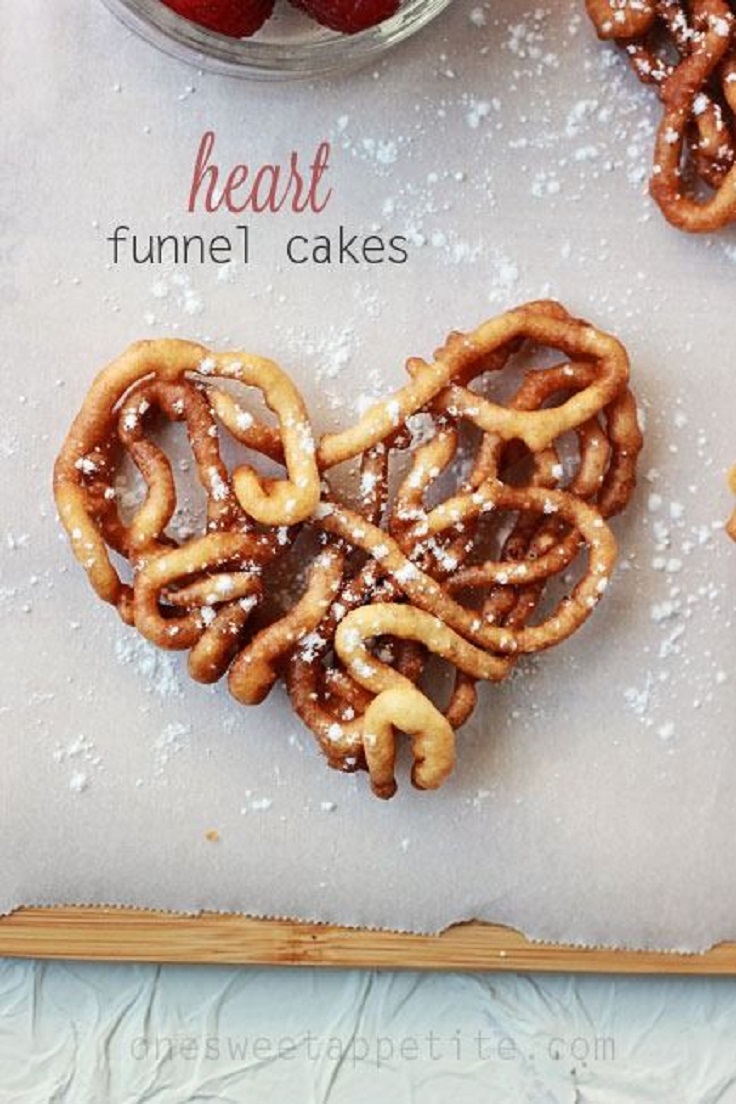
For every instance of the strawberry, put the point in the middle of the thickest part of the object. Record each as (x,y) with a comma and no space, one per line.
(350,16)
(235,18)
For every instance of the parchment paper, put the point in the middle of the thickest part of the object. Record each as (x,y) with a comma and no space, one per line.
(593,799)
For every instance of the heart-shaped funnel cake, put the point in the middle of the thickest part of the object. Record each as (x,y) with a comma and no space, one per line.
(476,531)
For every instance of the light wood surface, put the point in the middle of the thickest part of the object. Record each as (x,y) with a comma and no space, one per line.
(137,935)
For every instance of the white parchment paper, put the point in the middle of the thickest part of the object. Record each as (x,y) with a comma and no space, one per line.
(593,799)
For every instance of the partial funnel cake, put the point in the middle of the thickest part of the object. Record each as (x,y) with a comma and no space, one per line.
(463,519)
(687,53)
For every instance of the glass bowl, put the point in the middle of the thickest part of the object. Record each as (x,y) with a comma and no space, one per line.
(289,46)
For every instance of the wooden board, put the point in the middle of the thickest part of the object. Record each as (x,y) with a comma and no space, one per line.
(138,935)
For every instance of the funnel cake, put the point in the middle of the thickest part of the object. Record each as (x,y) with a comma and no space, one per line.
(687,52)
(468,506)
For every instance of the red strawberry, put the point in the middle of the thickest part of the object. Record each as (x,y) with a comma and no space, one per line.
(350,16)
(235,18)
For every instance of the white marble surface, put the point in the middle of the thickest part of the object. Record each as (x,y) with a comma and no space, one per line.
(100,1034)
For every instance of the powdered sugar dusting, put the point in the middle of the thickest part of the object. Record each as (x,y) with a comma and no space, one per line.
(157,670)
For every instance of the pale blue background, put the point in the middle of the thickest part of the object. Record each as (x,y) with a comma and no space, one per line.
(82,1033)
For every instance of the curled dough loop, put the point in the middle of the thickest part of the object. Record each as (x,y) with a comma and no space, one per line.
(433,740)
(270,502)
(465,354)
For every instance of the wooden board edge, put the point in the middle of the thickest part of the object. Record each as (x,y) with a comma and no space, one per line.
(141,935)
